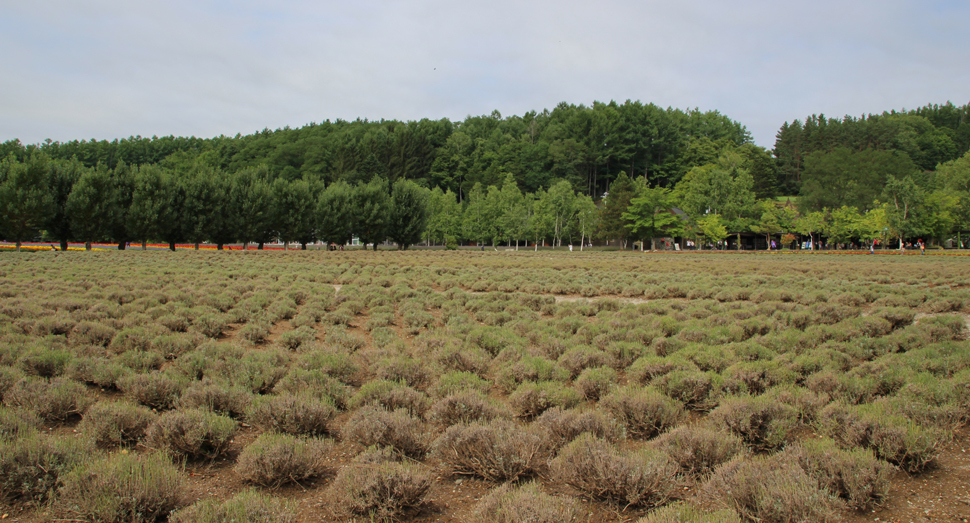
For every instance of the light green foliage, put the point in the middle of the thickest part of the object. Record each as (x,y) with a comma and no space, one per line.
(649,214)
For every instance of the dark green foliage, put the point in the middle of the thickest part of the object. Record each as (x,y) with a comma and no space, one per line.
(370,209)
(408,213)
(335,214)
(25,198)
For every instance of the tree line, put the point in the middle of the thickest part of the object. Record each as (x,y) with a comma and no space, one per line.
(137,204)
(608,171)
(585,145)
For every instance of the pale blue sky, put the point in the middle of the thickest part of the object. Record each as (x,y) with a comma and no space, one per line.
(109,69)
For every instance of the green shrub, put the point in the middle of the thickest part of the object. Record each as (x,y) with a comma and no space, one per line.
(695,389)
(456,382)
(893,437)
(563,426)
(210,325)
(760,421)
(315,382)
(32,465)
(646,368)
(8,377)
(275,459)
(410,371)
(806,402)
(595,382)
(116,423)
(59,324)
(57,399)
(215,396)
(770,490)
(297,338)
(124,488)
(466,407)
(249,506)
(158,390)
(529,368)
(336,364)
(91,333)
(698,449)
(102,372)
(531,399)
(391,395)
(131,339)
(379,487)
(515,504)
(856,475)
(17,423)
(371,425)
(499,450)
(577,359)
(141,361)
(755,377)
(598,469)
(303,413)
(174,322)
(682,512)
(466,358)
(45,362)
(256,371)
(191,433)
(255,331)
(171,346)
(643,411)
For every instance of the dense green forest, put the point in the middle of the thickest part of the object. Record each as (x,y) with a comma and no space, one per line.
(542,176)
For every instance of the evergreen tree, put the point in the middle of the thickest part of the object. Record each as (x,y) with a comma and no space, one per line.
(25,198)
(150,201)
(173,228)
(408,216)
(371,205)
(612,224)
(293,210)
(121,195)
(63,175)
(252,205)
(92,213)
(209,214)
(335,214)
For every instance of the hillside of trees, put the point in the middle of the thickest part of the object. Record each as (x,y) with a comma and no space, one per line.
(608,171)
